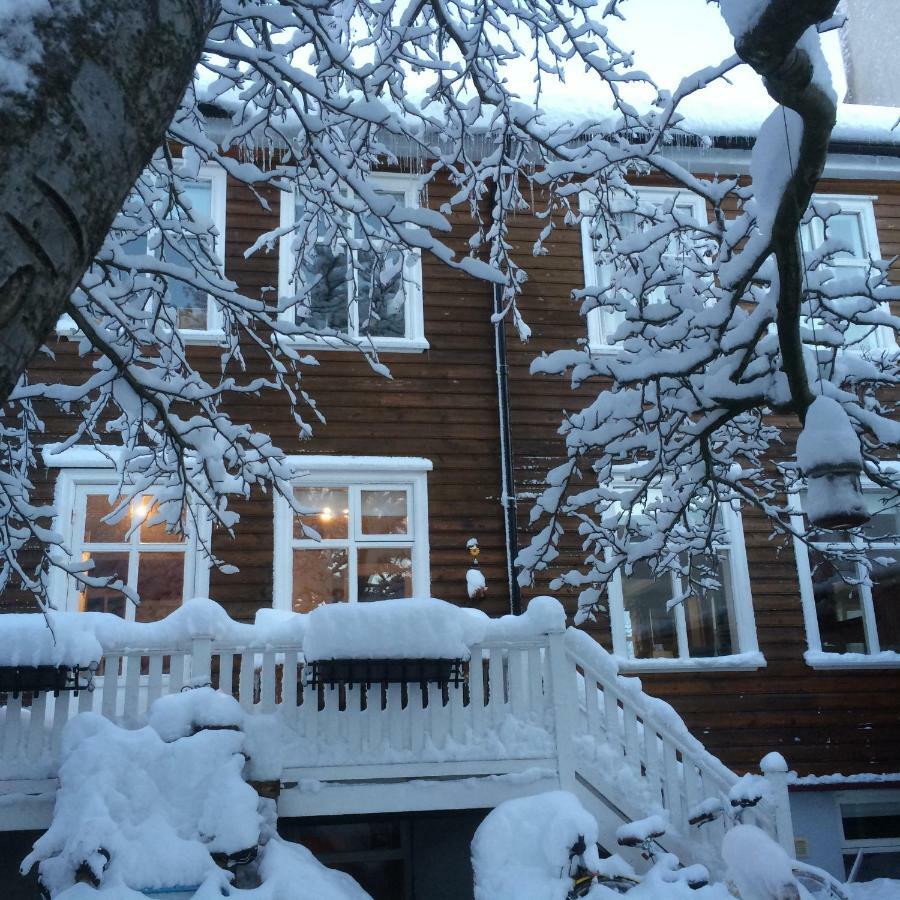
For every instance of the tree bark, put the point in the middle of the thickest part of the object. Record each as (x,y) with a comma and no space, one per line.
(108,83)
(770,47)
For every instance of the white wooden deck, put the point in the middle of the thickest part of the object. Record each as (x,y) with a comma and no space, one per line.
(536,714)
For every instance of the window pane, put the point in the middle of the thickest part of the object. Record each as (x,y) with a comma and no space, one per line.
(160,585)
(838,606)
(709,613)
(886,601)
(384,512)
(96,531)
(145,510)
(191,303)
(380,293)
(320,576)
(885,522)
(847,228)
(649,626)
(384,574)
(328,511)
(874,865)
(865,821)
(324,282)
(105,599)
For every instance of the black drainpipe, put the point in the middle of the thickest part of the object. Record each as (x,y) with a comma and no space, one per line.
(507,474)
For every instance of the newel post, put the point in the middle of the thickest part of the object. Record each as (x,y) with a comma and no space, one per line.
(563,697)
(201,661)
(775,769)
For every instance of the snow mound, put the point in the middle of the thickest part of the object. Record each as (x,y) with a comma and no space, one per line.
(759,868)
(31,639)
(181,715)
(390,629)
(521,850)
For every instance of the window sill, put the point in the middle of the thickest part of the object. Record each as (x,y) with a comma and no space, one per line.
(819,659)
(738,662)
(190,337)
(382,345)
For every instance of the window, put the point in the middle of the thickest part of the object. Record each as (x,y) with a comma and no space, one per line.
(164,568)
(855,227)
(371,293)
(371,518)
(844,615)
(712,622)
(870,822)
(602,323)
(196,313)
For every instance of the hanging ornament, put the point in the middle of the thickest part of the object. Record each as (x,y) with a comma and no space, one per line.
(828,454)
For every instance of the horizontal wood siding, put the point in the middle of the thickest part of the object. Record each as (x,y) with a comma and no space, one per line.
(442,405)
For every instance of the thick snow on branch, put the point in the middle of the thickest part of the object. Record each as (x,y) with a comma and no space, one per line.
(716,319)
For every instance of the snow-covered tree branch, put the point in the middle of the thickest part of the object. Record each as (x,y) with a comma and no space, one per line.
(721,321)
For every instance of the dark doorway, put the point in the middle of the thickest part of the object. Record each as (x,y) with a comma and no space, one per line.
(407,856)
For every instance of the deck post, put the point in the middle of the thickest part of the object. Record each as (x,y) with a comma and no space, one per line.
(775,769)
(562,692)
(201,661)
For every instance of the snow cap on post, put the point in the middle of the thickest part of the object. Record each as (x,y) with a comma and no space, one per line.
(829,456)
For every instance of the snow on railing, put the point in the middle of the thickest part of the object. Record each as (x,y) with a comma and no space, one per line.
(673,771)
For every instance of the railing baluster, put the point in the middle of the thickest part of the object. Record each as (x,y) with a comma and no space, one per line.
(517,673)
(246,679)
(611,719)
(374,718)
(416,716)
(267,682)
(629,723)
(592,710)
(289,686)
(476,689)
(496,693)
(458,712)
(61,706)
(672,783)
(537,698)
(132,686)
(395,716)
(110,691)
(652,763)
(176,672)
(154,680)
(12,736)
(37,726)
(438,715)
(226,673)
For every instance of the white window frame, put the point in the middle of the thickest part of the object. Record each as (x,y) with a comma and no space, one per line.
(81,468)
(213,333)
(414,341)
(357,473)
(812,233)
(867,845)
(747,657)
(816,657)
(599,327)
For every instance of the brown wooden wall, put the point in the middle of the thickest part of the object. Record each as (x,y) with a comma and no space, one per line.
(442,405)
(823,722)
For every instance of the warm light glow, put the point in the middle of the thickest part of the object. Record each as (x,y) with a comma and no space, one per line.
(326,515)
(140,509)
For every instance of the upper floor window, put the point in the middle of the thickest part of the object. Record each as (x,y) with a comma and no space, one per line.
(597,232)
(194,311)
(847,611)
(125,544)
(370,291)
(700,619)
(855,227)
(362,535)
(870,830)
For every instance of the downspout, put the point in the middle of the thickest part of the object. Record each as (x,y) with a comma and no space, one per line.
(507,474)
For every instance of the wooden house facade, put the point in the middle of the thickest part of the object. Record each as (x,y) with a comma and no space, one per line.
(407,470)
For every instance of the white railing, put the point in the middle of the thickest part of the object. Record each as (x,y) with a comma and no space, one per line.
(553,698)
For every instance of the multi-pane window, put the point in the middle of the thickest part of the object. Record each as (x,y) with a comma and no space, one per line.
(706,614)
(855,228)
(371,290)
(124,543)
(194,311)
(845,611)
(596,232)
(358,536)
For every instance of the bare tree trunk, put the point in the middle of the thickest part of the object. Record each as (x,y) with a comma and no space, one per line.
(109,81)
